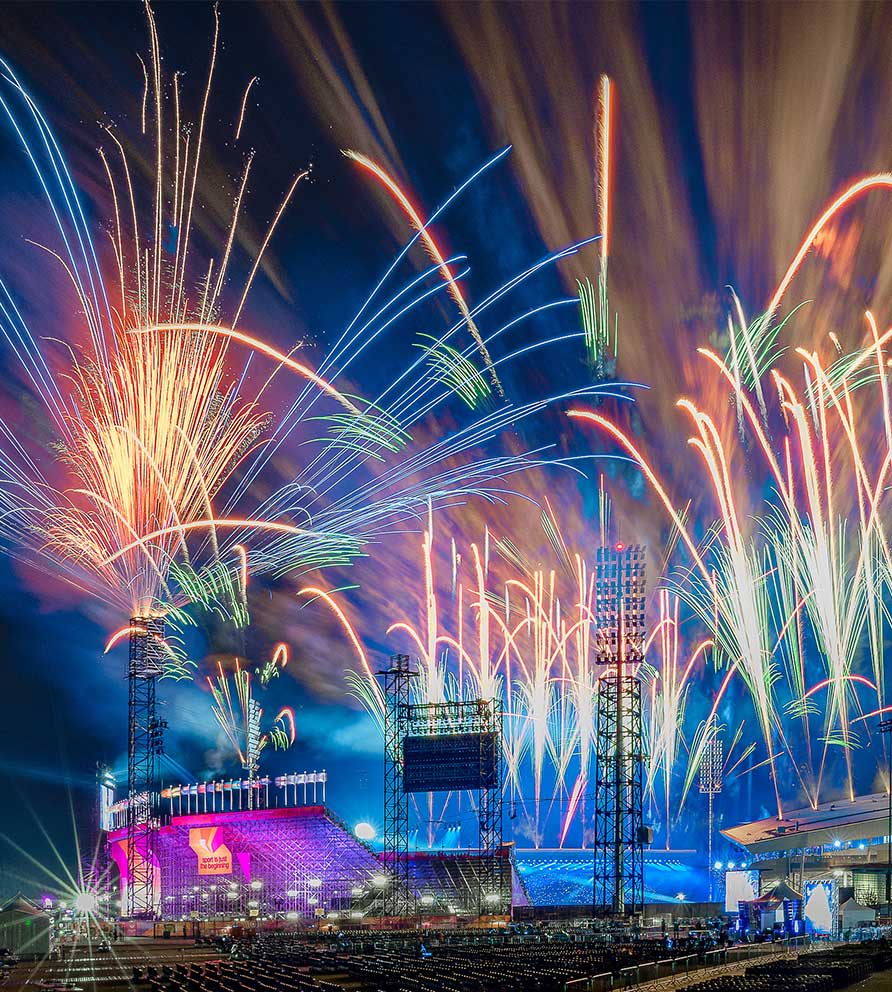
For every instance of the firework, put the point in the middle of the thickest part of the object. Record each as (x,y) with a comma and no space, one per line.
(240,715)
(791,594)
(529,640)
(159,435)
(595,303)
(149,426)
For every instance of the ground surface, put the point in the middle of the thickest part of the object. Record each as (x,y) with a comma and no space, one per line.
(879,982)
(84,968)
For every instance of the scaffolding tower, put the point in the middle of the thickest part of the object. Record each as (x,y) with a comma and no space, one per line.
(495,870)
(396,682)
(620,835)
(145,744)
(480,722)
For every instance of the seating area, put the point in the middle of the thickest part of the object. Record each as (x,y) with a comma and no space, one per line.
(452,883)
(817,971)
(95,967)
(240,976)
(282,962)
(291,861)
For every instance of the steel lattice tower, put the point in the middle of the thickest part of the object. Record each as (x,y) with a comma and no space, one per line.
(711,781)
(252,747)
(145,743)
(618,878)
(495,878)
(396,682)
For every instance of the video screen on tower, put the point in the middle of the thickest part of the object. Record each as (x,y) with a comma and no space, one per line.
(450,762)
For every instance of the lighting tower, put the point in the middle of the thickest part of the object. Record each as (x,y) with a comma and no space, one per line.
(395,834)
(618,882)
(145,743)
(252,747)
(885,727)
(711,781)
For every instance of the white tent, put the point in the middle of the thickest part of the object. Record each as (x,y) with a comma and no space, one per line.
(855,915)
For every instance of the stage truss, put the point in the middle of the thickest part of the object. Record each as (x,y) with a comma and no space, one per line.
(145,744)
(481,719)
(618,876)
(396,682)
(456,719)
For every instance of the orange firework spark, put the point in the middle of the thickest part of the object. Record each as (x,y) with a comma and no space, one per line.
(392,187)
(603,143)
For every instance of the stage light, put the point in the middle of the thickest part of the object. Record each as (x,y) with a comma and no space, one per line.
(680,897)
(356,891)
(427,900)
(256,884)
(292,916)
(379,880)
(313,901)
(364,831)
(85,902)
(253,903)
(291,893)
(315,883)
(718,866)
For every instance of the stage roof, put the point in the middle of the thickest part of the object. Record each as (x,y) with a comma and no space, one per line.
(840,820)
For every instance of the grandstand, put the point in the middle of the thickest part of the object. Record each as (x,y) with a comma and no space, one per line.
(293,863)
(448,883)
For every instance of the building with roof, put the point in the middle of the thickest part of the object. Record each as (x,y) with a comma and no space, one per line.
(846,840)
(25,929)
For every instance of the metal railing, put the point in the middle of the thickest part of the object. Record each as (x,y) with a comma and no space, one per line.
(666,972)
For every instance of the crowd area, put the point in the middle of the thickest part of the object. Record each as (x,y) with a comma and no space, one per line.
(518,960)
(835,967)
(448,961)
(526,957)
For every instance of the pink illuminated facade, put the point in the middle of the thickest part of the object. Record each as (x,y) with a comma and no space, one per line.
(295,862)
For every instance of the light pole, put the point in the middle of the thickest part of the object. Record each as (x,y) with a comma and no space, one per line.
(886,728)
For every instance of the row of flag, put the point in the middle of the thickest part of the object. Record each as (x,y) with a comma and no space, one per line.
(281,781)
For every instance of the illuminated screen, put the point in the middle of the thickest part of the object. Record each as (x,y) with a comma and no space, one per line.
(106,800)
(450,762)
(740,886)
(820,899)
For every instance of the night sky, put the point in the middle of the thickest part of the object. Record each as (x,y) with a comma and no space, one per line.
(736,124)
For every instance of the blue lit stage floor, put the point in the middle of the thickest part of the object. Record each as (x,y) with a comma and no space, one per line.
(563,877)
